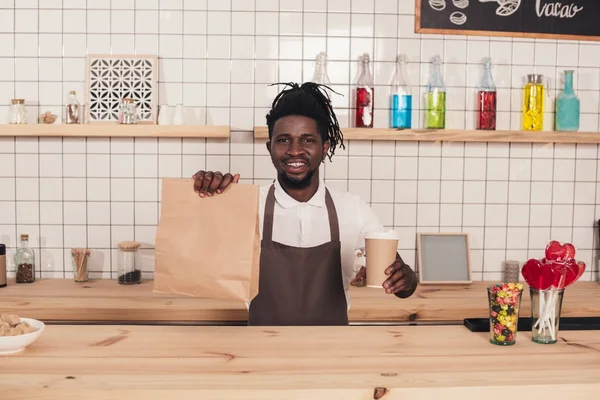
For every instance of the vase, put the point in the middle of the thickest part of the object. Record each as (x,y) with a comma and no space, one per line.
(504,304)
(567,107)
(546,306)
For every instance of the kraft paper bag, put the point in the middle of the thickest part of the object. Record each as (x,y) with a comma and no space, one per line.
(208,247)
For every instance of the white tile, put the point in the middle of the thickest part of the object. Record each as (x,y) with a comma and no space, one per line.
(428,214)
(564,170)
(98,21)
(495,238)
(563,192)
(452,168)
(541,193)
(582,215)
(428,192)
(122,214)
(473,215)
(98,165)
(26,165)
(51,236)
(51,212)
(518,215)
(146,189)
(562,215)
(74,212)
(585,170)
(74,189)
(28,212)
(146,213)
(25,45)
(497,192)
(382,191)
(383,167)
(450,215)
(474,192)
(564,150)
(360,168)
(475,168)
(520,169)
(8,212)
(497,169)
(542,169)
(98,189)
(517,238)
(585,193)
(121,166)
(98,213)
(26,20)
(429,168)
(540,215)
(75,236)
(74,165)
(98,236)
(451,191)
(519,192)
(27,189)
(8,191)
(169,166)
(405,192)
(74,145)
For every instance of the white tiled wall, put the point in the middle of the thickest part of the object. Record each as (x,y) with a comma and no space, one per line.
(218,57)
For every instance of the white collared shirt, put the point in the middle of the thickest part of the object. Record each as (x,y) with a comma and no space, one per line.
(307,224)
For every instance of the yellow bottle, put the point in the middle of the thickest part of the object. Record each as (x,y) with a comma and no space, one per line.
(534,97)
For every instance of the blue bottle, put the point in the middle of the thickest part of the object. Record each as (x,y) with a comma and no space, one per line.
(401,99)
(567,107)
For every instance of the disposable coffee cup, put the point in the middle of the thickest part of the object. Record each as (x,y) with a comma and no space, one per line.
(381,249)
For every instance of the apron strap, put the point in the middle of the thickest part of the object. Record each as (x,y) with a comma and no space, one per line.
(334,227)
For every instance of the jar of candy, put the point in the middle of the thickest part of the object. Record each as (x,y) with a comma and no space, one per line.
(127,112)
(18,112)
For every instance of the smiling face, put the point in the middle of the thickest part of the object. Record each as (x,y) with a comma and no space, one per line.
(297,150)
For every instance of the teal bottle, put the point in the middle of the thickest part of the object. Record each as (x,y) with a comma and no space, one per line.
(567,107)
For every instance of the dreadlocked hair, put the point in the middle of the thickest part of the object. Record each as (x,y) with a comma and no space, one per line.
(308,100)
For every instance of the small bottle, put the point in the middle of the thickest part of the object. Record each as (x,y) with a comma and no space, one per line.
(486,98)
(534,102)
(568,107)
(127,112)
(321,77)
(365,96)
(25,261)
(18,112)
(3,276)
(401,107)
(72,109)
(436,96)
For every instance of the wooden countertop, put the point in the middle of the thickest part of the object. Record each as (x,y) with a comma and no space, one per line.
(358,362)
(106,300)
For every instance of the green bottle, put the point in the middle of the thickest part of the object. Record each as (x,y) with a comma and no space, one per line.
(436,97)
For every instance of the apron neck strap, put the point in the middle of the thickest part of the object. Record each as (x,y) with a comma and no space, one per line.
(334,227)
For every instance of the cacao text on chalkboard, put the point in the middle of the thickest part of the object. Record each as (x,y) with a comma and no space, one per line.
(567,19)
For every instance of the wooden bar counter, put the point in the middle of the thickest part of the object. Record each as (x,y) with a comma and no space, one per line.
(251,363)
(61,300)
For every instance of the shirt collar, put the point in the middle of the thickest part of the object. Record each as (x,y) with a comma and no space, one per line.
(286,201)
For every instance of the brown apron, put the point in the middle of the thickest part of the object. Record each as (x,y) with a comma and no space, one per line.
(299,286)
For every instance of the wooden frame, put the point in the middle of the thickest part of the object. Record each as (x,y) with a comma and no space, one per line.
(154,80)
(420,259)
(418,29)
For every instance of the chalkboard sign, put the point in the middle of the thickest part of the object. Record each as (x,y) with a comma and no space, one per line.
(566,19)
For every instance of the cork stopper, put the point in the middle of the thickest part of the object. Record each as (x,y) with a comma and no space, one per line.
(128,245)
(18,101)
(24,236)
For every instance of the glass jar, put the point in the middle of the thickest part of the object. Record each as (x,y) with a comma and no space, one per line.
(546,306)
(129,271)
(127,112)
(18,112)
(72,109)
(80,269)
(25,261)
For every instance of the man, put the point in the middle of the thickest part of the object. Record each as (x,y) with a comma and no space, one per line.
(309,233)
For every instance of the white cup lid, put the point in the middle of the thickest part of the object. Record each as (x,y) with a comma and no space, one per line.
(391,234)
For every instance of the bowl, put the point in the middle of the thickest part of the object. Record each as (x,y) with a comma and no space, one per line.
(15,344)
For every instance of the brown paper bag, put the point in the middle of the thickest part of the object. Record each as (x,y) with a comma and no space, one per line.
(208,247)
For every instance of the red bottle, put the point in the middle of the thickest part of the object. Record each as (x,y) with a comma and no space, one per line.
(365,96)
(486,99)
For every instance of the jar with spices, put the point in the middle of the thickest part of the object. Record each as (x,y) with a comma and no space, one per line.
(72,109)
(18,112)
(128,264)
(25,261)
(2,265)
(127,112)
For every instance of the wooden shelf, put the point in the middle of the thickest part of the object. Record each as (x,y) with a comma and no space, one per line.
(455,135)
(115,130)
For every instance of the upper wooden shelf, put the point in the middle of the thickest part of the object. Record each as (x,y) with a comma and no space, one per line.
(455,135)
(115,130)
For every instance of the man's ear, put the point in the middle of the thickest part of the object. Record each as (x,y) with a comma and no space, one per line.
(269,146)
(326,147)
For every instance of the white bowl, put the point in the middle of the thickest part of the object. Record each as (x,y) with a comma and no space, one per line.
(15,344)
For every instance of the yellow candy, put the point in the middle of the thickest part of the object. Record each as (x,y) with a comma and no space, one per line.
(512,328)
(520,286)
(500,338)
(504,306)
(502,294)
(511,286)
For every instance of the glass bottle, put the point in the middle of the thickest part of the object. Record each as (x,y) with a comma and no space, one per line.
(534,103)
(436,96)
(18,112)
(365,95)
(127,111)
(25,261)
(321,76)
(401,99)
(568,107)
(72,109)
(486,98)
(128,269)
